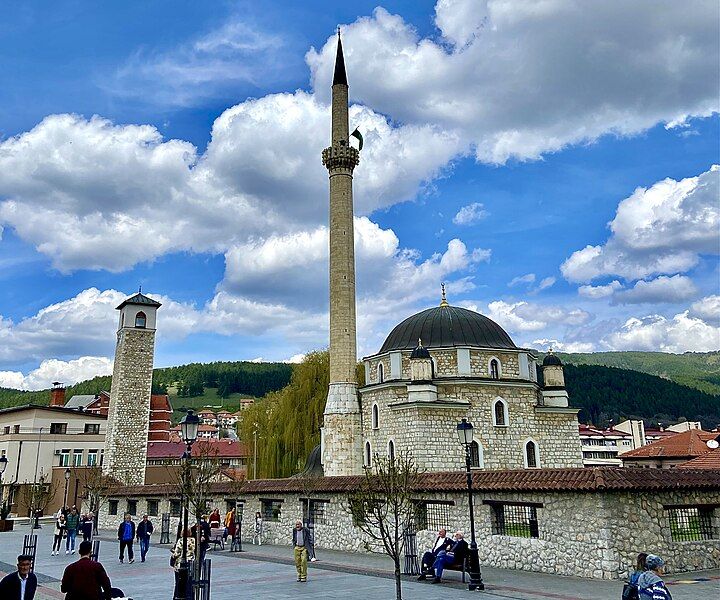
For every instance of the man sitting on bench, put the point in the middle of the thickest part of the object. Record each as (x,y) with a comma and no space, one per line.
(442,542)
(451,558)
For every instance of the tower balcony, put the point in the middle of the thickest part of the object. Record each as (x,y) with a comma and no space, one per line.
(340,156)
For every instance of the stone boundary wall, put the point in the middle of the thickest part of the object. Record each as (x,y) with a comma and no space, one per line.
(585,534)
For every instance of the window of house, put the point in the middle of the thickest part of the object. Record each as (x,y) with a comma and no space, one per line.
(494,368)
(318,511)
(140,320)
(92,428)
(58,428)
(271,509)
(175,508)
(102,457)
(368,455)
(514,519)
(132,507)
(532,460)
(500,413)
(92,458)
(477,460)
(112,507)
(16,429)
(433,515)
(153,507)
(6,430)
(391,450)
(77,458)
(692,523)
(375,416)
(64,458)
(380,373)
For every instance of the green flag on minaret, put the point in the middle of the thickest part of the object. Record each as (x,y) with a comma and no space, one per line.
(358,135)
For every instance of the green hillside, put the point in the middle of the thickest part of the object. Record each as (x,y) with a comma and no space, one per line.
(700,370)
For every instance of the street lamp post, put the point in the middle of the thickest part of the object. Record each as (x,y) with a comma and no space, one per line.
(189,430)
(67,483)
(465,434)
(255,436)
(33,511)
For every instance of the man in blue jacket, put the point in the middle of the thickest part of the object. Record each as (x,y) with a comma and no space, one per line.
(126,535)
(454,556)
(22,584)
(650,584)
(144,530)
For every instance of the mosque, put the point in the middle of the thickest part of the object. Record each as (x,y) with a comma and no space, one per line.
(536,507)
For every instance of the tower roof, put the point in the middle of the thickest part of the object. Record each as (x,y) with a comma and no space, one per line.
(140,299)
(551,360)
(339,76)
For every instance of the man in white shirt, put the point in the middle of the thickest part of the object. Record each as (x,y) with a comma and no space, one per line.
(22,584)
(442,542)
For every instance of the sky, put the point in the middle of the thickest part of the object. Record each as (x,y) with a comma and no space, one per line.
(553,162)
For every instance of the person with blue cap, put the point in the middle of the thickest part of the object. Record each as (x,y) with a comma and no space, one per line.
(650,583)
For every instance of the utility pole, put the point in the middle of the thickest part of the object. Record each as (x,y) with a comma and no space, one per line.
(34,486)
(255,434)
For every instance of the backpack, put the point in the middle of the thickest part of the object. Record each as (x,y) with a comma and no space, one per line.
(630,592)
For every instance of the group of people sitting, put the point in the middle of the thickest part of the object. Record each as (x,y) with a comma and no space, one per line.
(445,553)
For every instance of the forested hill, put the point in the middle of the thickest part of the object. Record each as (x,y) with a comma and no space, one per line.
(604,393)
(700,370)
(226,378)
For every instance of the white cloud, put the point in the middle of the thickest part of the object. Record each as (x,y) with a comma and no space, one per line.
(529,278)
(595,292)
(677,288)
(658,230)
(546,283)
(67,372)
(472,213)
(523,316)
(707,309)
(544,344)
(520,79)
(656,333)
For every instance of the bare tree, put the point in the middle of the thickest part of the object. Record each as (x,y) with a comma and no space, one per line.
(98,487)
(37,496)
(383,507)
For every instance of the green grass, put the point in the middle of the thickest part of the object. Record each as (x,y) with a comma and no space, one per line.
(209,398)
(518,530)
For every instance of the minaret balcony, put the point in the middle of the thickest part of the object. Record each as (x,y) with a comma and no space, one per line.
(340,156)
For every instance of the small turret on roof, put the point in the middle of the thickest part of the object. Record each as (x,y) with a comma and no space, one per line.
(339,76)
(139,299)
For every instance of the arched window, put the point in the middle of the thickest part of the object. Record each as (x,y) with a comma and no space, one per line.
(368,455)
(494,368)
(532,460)
(140,320)
(391,450)
(500,413)
(477,460)
(375,416)
(380,373)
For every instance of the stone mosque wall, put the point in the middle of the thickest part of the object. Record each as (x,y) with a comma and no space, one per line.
(585,534)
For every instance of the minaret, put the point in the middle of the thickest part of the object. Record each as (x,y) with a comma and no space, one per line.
(342,443)
(129,412)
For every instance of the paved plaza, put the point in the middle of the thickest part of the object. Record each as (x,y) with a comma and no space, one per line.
(267,572)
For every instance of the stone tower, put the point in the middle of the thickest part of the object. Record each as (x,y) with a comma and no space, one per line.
(342,431)
(129,411)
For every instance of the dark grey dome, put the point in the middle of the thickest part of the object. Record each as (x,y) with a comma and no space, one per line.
(420,352)
(447,326)
(551,360)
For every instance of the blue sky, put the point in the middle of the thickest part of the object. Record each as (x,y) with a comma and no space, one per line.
(553,163)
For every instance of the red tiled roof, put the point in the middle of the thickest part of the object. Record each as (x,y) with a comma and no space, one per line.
(687,444)
(204,427)
(160,402)
(589,430)
(211,448)
(598,479)
(709,460)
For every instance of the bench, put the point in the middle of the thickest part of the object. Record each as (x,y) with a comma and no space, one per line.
(463,568)
(217,538)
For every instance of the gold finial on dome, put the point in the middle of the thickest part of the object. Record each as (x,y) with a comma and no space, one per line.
(443,299)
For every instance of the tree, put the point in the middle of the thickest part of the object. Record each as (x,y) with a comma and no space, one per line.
(98,487)
(36,496)
(383,507)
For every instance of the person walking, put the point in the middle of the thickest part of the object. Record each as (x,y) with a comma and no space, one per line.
(86,527)
(144,530)
(176,556)
(22,584)
(126,535)
(650,583)
(59,534)
(258,529)
(72,521)
(86,579)
(230,524)
(630,589)
(301,544)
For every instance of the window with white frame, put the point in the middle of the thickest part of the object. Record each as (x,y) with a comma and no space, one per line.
(77,458)
(500,415)
(532,455)
(92,458)
(375,416)
(494,368)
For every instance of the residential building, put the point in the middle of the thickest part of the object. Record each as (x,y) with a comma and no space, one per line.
(671,451)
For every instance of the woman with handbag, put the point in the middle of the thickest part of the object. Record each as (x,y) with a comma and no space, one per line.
(60,527)
(176,556)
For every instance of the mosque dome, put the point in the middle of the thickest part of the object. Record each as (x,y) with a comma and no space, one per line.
(447,326)
(551,360)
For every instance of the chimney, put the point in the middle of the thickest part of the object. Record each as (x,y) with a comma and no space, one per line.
(57,394)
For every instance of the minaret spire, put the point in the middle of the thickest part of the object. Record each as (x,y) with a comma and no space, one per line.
(342,433)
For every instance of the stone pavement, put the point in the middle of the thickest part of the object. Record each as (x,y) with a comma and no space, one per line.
(266,571)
